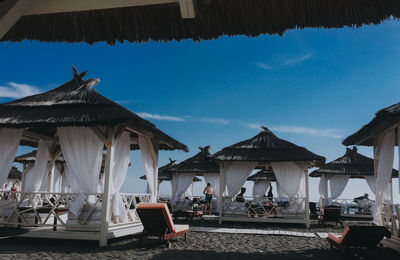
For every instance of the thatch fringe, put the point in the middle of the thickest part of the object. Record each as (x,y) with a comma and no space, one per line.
(214,19)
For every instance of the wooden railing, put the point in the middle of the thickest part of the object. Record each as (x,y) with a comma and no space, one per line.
(35,209)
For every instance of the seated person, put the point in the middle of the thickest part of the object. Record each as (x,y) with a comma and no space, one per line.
(270,195)
(240,196)
(365,197)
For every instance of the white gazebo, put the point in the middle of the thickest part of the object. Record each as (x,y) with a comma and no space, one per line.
(289,163)
(76,121)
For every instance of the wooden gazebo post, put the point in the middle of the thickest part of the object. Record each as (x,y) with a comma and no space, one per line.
(105,209)
(221,191)
(307,206)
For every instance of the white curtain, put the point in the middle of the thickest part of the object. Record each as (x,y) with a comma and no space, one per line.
(189,192)
(150,169)
(385,150)
(213,179)
(337,184)
(64,183)
(259,189)
(180,183)
(57,179)
(323,189)
(279,190)
(83,152)
(371,181)
(9,141)
(119,168)
(37,177)
(100,185)
(289,175)
(235,175)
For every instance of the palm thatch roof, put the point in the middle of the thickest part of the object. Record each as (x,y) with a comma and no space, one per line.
(352,163)
(200,163)
(14,174)
(263,175)
(265,148)
(77,103)
(384,119)
(31,157)
(213,18)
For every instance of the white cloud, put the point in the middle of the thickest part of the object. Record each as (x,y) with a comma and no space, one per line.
(307,131)
(17,90)
(264,66)
(160,117)
(219,121)
(298,59)
(333,133)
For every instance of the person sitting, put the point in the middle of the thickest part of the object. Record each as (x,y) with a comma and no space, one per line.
(209,192)
(14,189)
(270,195)
(240,196)
(365,197)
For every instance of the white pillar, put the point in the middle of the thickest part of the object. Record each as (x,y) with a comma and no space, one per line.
(307,206)
(391,189)
(50,176)
(105,210)
(154,156)
(221,191)
(24,167)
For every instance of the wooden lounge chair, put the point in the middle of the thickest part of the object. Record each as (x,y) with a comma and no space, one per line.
(358,236)
(157,221)
(330,214)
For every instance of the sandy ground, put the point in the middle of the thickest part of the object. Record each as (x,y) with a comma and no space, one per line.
(200,245)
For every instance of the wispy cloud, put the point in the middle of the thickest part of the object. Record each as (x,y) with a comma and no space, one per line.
(285,61)
(264,66)
(218,121)
(330,132)
(17,90)
(297,59)
(160,117)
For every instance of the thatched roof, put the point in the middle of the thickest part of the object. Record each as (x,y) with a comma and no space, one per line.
(214,18)
(384,119)
(352,163)
(265,148)
(263,175)
(200,163)
(31,157)
(77,103)
(164,174)
(14,174)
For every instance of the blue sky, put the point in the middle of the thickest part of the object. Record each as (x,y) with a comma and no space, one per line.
(312,87)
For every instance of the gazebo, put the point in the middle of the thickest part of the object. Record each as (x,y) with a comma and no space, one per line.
(261,181)
(14,176)
(351,165)
(200,164)
(78,122)
(382,132)
(166,20)
(165,175)
(289,163)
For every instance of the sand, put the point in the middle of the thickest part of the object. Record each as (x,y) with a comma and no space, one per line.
(200,245)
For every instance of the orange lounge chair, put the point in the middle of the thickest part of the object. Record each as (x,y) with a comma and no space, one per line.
(157,221)
(358,236)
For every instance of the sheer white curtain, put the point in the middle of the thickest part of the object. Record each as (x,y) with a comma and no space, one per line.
(385,150)
(146,148)
(323,189)
(64,183)
(180,183)
(57,179)
(119,168)
(37,177)
(259,189)
(9,141)
(371,181)
(235,176)
(213,179)
(83,152)
(337,184)
(189,192)
(288,175)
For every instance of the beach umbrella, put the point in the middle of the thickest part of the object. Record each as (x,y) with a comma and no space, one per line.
(14,174)
(166,20)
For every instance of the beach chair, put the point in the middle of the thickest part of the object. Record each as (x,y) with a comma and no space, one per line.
(157,221)
(330,214)
(358,236)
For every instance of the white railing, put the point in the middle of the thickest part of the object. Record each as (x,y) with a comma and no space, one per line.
(391,218)
(33,209)
(264,208)
(350,207)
